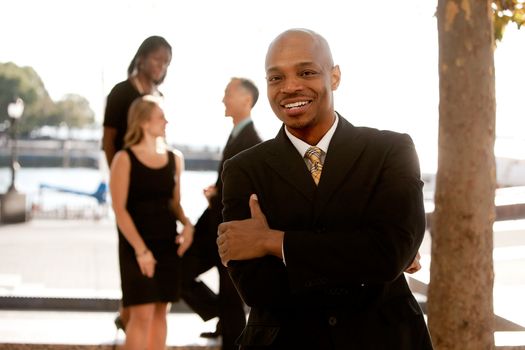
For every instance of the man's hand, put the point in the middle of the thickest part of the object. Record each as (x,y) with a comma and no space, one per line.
(209,193)
(250,238)
(415,266)
(184,239)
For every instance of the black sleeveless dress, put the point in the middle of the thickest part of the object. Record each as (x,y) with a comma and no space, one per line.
(149,204)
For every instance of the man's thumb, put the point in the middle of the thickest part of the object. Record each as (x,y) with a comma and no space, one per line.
(255,209)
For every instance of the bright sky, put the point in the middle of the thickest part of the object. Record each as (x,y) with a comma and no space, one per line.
(387,54)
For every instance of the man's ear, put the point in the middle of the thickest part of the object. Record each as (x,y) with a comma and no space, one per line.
(336,77)
(249,100)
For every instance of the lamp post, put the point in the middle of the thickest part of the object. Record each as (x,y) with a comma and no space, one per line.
(15,111)
(13,207)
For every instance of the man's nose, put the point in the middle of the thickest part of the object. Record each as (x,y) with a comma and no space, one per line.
(291,85)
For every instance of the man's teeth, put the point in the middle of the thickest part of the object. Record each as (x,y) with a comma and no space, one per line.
(295,104)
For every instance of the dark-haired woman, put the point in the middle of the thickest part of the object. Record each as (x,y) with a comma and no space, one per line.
(146,72)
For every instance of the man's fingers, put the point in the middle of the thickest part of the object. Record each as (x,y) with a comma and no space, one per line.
(222,228)
(255,209)
(223,250)
(221,246)
(415,266)
(181,250)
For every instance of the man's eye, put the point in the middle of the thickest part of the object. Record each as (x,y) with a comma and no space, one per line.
(308,73)
(273,78)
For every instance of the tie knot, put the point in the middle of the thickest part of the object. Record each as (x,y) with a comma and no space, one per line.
(313,154)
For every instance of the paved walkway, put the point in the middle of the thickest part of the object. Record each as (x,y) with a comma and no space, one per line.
(78,259)
(84,329)
(73,259)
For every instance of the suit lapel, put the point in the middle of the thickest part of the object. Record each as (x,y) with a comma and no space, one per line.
(290,166)
(344,149)
(233,144)
(228,146)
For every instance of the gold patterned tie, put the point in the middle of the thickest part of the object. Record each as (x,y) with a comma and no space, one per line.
(313,154)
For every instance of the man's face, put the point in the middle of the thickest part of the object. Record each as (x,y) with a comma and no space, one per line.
(234,99)
(300,80)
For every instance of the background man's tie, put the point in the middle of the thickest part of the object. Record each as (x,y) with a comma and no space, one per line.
(316,167)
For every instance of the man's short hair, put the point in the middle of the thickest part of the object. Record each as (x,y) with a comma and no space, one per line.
(251,88)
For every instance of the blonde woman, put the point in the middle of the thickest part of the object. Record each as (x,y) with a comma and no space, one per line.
(145,191)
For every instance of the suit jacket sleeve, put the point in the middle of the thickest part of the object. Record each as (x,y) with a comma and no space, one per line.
(268,271)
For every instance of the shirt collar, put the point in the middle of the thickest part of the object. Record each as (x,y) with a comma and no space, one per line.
(237,128)
(323,144)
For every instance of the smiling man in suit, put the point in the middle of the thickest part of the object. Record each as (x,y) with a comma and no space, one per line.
(240,97)
(322,221)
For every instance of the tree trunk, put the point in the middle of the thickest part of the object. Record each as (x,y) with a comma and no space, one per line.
(460,307)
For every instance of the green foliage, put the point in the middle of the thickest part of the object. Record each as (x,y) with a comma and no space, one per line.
(19,82)
(39,109)
(506,11)
(74,110)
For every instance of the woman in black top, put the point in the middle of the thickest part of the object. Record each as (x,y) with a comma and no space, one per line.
(146,72)
(145,191)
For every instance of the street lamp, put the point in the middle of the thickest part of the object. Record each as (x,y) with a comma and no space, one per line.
(13,203)
(15,111)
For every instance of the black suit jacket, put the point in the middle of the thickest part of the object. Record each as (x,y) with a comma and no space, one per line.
(347,242)
(246,139)
(206,226)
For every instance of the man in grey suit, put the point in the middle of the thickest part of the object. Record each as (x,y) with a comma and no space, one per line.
(240,97)
(322,221)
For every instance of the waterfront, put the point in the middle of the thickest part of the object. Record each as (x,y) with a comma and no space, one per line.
(79,153)
(29,181)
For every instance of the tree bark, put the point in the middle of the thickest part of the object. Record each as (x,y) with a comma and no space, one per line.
(460,308)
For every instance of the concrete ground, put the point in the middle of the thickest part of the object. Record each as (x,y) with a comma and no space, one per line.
(72,259)
(78,259)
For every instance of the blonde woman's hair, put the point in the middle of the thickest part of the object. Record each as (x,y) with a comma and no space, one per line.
(138,113)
